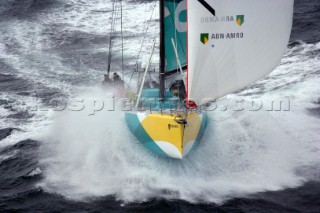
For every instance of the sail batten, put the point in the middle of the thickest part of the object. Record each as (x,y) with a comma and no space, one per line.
(243,42)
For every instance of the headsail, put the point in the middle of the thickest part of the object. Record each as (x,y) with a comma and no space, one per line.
(175,27)
(236,45)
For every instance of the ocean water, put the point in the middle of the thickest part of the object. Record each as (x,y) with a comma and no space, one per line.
(54,160)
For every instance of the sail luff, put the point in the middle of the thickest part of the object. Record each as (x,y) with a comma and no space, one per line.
(187,48)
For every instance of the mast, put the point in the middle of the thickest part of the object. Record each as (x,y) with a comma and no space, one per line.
(162,52)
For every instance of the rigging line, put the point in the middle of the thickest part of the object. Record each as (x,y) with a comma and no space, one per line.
(119,17)
(145,35)
(175,34)
(146,30)
(111,37)
(162,51)
(122,65)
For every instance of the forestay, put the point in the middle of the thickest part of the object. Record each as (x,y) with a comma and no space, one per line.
(233,43)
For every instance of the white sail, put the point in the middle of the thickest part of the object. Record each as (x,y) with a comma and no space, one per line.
(242,42)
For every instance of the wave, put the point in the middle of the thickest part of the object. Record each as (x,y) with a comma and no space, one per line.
(85,156)
(241,153)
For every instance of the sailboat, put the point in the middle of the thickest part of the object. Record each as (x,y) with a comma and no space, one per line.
(208,49)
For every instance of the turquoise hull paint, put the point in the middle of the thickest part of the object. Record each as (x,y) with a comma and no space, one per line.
(139,132)
(201,131)
(155,148)
(150,99)
(137,129)
(154,93)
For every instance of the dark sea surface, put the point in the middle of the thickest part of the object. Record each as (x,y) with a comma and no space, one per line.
(70,162)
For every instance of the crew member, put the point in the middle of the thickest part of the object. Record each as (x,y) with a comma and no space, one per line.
(116,79)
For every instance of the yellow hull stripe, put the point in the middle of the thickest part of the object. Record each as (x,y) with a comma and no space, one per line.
(164,129)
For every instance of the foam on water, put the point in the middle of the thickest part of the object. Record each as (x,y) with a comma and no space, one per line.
(91,156)
(242,152)
(30,127)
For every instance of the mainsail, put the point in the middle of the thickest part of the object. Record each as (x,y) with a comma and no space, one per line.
(233,43)
(175,28)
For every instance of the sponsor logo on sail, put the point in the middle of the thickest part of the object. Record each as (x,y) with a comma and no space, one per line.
(240,19)
(217,36)
(210,19)
(204,38)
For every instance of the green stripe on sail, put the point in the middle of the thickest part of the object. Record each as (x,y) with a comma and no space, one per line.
(175,27)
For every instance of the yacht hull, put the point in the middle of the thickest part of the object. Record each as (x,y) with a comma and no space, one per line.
(169,135)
